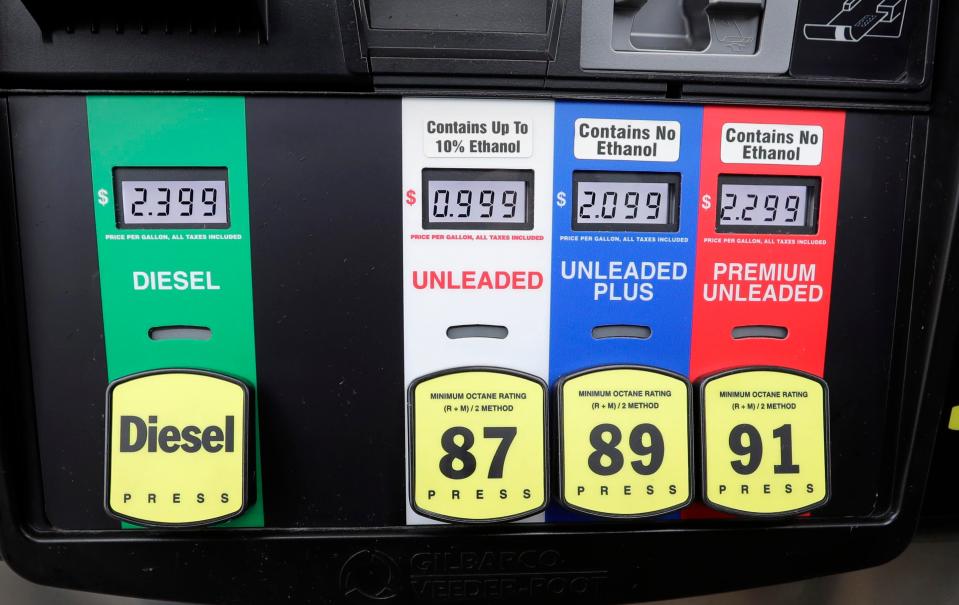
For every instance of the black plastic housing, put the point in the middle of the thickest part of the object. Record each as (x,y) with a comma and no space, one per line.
(292,53)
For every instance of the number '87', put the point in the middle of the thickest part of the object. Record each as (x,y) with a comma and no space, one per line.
(460,463)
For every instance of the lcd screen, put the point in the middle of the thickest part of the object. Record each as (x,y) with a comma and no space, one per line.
(766,204)
(477,199)
(625,201)
(192,198)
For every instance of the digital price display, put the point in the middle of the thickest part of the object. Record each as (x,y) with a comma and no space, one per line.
(766,204)
(625,201)
(194,198)
(477,199)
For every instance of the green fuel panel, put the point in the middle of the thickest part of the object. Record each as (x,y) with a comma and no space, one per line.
(171,201)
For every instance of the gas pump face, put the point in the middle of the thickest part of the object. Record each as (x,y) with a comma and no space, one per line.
(585,306)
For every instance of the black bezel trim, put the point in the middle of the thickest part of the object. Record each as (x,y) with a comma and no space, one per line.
(246,491)
(690,437)
(411,418)
(702,434)
(98,559)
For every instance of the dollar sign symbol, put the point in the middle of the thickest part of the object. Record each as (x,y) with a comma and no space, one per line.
(410,197)
(561,199)
(707,202)
(103,197)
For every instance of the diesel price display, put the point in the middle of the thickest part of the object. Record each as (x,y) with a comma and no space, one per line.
(625,201)
(477,199)
(193,198)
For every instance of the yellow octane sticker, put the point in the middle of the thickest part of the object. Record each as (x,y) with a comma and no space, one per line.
(765,442)
(479,446)
(177,448)
(625,442)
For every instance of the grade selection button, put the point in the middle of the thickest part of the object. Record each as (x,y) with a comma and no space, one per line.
(625,441)
(478,445)
(765,441)
(177,448)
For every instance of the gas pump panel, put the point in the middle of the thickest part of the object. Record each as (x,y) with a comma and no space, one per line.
(476,307)
(173,248)
(623,261)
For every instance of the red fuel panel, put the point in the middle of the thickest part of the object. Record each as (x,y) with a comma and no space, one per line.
(752,272)
(766,282)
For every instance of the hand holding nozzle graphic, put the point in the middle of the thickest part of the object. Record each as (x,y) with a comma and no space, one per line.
(860,19)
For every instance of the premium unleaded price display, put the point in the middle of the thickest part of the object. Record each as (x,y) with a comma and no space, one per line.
(625,201)
(625,447)
(477,199)
(172,197)
(478,444)
(765,441)
(766,204)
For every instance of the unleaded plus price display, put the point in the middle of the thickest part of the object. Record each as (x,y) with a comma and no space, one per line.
(625,201)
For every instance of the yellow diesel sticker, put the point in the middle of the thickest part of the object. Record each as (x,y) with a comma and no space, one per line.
(478,445)
(954,418)
(625,442)
(177,448)
(765,442)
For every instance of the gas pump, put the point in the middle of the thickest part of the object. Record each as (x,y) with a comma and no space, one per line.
(461,301)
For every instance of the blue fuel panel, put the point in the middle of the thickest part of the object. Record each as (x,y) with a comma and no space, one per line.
(623,252)
(604,275)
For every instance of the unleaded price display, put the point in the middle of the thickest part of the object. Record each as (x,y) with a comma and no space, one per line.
(478,444)
(625,441)
(765,441)
(171,197)
(767,204)
(625,201)
(477,199)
